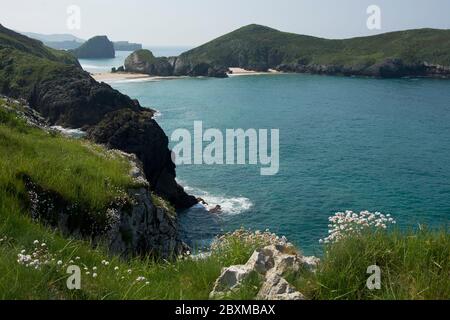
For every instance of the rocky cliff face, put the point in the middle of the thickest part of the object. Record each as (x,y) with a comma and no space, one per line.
(136,132)
(389,68)
(143,61)
(98,47)
(136,228)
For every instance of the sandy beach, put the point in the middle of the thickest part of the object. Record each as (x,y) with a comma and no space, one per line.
(119,76)
(244,72)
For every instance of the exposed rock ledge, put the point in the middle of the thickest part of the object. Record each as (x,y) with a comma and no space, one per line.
(271,262)
(128,228)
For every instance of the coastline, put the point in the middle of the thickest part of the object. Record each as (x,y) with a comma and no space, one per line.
(234,72)
(118,76)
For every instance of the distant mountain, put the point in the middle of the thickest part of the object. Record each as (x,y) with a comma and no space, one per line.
(423,52)
(53,37)
(127,46)
(98,47)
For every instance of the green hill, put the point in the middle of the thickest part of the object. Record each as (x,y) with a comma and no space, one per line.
(98,47)
(413,52)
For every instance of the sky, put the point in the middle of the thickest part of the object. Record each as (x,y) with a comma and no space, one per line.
(193,22)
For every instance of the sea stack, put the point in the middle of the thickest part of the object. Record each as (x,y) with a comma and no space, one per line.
(98,47)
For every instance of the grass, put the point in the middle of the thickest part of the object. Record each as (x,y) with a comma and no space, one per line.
(415,265)
(261,47)
(87,174)
(24,62)
(81,172)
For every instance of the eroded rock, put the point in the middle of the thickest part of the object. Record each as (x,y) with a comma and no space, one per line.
(277,288)
(271,262)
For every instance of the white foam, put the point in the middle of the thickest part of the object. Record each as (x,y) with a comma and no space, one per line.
(229,205)
(74,133)
(90,66)
(157,114)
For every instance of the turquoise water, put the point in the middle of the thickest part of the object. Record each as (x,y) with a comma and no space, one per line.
(345,144)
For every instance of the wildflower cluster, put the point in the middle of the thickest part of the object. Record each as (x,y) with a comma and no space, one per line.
(3,240)
(345,224)
(38,258)
(247,238)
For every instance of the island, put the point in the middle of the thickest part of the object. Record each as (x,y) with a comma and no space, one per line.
(98,47)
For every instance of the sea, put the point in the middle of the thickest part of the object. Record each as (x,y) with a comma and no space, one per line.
(345,143)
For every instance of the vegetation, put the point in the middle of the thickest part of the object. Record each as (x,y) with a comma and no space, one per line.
(414,265)
(95,48)
(25,62)
(259,47)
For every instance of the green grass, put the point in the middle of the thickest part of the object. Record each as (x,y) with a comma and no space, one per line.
(415,265)
(260,47)
(24,62)
(81,172)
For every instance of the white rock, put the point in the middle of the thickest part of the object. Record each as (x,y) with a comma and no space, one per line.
(229,280)
(276,288)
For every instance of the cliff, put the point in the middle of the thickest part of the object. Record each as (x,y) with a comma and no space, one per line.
(113,206)
(56,86)
(98,47)
(143,61)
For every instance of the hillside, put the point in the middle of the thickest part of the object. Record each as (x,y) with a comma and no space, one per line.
(55,85)
(423,52)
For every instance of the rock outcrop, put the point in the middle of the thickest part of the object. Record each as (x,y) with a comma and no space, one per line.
(271,263)
(389,68)
(135,228)
(98,47)
(138,133)
(144,228)
(126,46)
(143,61)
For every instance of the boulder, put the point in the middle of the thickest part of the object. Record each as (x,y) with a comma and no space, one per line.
(271,262)
(276,288)
(229,280)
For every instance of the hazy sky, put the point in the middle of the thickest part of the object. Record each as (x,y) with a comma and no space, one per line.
(193,22)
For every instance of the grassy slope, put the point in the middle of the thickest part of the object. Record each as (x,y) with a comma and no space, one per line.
(84,173)
(414,265)
(24,61)
(261,44)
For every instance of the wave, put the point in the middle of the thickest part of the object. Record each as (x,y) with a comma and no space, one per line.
(230,205)
(91,66)
(73,133)
(158,114)
(147,79)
